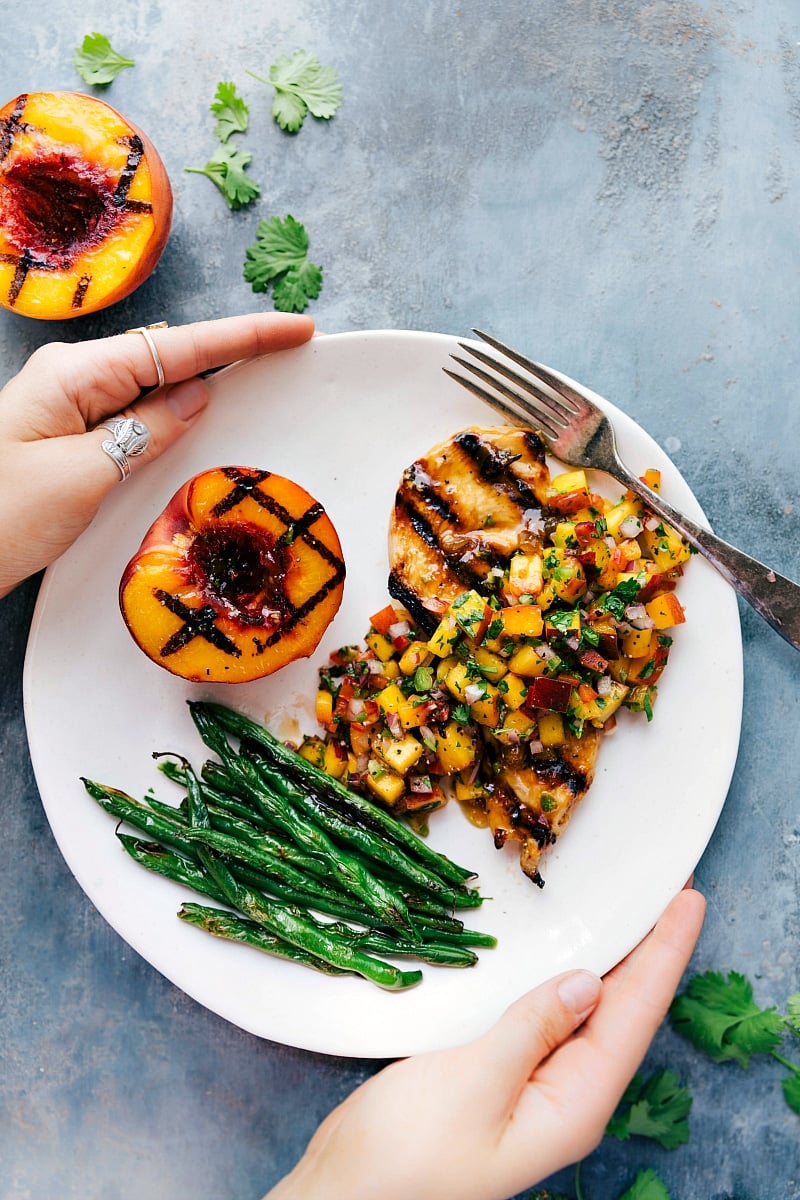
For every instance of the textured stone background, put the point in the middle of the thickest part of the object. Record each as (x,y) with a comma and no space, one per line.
(613,185)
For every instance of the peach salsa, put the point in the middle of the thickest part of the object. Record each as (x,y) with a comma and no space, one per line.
(502,704)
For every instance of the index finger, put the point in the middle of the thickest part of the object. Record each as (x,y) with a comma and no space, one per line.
(85,382)
(188,350)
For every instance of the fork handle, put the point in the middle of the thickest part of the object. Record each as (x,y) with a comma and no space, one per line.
(774,597)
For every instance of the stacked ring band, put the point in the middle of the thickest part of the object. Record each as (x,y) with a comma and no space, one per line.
(144,330)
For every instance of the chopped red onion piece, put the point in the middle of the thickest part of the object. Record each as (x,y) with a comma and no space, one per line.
(631,527)
(394,725)
(473,771)
(428,739)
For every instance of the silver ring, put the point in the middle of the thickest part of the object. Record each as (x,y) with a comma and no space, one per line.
(144,330)
(129,437)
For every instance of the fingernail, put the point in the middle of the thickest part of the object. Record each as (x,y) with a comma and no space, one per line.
(579,992)
(188,398)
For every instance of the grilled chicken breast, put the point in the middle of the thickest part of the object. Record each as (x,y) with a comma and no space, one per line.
(461,511)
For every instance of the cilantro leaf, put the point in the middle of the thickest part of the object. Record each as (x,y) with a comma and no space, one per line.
(655,1108)
(720,1016)
(646,1186)
(302,85)
(230,110)
(226,169)
(278,259)
(97,62)
(562,619)
(617,600)
(292,291)
(289,111)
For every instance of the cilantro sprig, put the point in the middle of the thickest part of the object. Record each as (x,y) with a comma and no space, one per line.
(302,85)
(720,1016)
(279,259)
(226,168)
(97,62)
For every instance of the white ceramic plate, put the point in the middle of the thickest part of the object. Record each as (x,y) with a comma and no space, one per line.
(343,416)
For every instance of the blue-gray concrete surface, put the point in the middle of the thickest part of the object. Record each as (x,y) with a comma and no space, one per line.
(613,185)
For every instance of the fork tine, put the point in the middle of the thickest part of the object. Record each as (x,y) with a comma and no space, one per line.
(564,391)
(512,414)
(531,414)
(539,406)
(562,413)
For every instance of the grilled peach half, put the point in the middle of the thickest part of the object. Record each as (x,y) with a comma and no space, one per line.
(241,574)
(85,205)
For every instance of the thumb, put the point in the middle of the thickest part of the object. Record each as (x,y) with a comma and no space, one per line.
(536,1024)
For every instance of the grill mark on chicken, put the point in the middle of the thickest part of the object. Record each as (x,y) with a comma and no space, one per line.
(422,618)
(423,529)
(495,465)
(559,772)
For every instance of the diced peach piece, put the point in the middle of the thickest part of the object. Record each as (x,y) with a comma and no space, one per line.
(380,645)
(445,636)
(551,728)
(472,613)
(416,655)
(399,754)
(386,785)
(666,610)
(522,620)
(513,689)
(456,748)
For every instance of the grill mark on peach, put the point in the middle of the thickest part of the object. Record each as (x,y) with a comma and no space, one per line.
(197,622)
(13,126)
(24,263)
(135,156)
(80,291)
(300,614)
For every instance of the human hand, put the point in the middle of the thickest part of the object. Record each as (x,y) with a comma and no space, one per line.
(54,473)
(486,1120)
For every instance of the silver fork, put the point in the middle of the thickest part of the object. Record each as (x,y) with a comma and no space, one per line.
(580,435)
